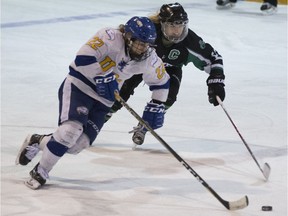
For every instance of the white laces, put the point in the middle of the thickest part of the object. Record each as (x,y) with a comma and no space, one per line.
(32,151)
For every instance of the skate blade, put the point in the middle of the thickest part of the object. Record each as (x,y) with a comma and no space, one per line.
(225,7)
(270,11)
(32,184)
(24,145)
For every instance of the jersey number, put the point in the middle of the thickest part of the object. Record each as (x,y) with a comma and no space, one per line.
(107,63)
(160,71)
(95,42)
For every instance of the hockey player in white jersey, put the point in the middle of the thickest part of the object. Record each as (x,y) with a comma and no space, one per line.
(101,66)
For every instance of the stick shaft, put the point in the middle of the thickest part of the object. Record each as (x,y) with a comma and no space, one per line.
(227,204)
(241,137)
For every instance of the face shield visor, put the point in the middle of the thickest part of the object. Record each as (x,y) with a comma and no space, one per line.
(175,31)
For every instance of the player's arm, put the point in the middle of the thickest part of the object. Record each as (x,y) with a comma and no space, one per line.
(159,83)
(206,58)
(96,66)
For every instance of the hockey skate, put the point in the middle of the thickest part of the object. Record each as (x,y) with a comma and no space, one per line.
(29,149)
(138,137)
(38,176)
(268,8)
(225,4)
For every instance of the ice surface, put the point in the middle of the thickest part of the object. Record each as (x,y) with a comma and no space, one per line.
(39,39)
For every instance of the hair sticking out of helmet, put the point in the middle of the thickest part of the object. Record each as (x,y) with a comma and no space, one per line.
(140,34)
(174,21)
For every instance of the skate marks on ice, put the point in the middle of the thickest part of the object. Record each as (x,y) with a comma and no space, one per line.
(148,160)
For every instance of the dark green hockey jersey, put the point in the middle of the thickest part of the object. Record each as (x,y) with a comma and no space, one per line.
(191,49)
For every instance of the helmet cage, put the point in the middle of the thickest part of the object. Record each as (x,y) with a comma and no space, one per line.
(138,50)
(171,30)
(173,18)
(139,32)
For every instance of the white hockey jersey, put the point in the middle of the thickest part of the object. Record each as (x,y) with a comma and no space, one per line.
(105,53)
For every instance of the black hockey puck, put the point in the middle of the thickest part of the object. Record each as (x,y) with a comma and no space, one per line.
(266,208)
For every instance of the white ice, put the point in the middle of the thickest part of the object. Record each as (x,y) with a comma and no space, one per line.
(39,39)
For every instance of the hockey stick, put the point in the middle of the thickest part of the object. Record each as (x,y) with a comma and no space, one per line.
(266,168)
(234,205)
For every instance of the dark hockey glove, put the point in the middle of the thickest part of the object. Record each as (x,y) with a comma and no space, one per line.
(154,115)
(215,83)
(106,86)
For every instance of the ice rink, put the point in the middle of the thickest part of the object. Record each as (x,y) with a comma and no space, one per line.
(39,39)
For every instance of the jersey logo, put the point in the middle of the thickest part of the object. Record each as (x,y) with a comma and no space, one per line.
(174,53)
(94,126)
(110,34)
(82,110)
(202,44)
(121,65)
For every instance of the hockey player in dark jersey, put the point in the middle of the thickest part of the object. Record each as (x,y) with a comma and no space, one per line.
(177,45)
(268,6)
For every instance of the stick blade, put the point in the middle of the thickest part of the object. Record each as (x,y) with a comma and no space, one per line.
(266,171)
(238,204)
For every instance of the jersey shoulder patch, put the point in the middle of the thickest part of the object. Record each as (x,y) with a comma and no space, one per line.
(110,33)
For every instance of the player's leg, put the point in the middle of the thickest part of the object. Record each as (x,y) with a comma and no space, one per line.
(62,139)
(175,82)
(91,129)
(269,6)
(31,146)
(226,3)
(36,142)
(71,121)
